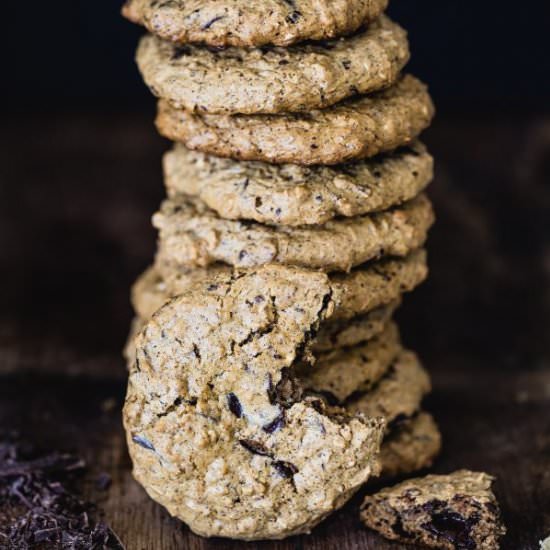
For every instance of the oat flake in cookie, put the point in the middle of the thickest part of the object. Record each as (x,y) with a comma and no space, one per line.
(246,23)
(274,80)
(292,194)
(452,511)
(191,235)
(217,427)
(353,129)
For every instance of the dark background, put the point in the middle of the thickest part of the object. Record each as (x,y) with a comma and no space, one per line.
(80,177)
(75,53)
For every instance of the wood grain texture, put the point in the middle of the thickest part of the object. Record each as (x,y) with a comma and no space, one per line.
(76,196)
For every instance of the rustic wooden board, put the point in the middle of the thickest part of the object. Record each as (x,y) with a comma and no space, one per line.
(76,196)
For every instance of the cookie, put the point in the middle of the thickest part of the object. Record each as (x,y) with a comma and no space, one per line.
(242,23)
(292,194)
(353,129)
(411,446)
(341,373)
(192,235)
(376,284)
(398,394)
(273,80)
(342,334)
(356,293)
(458,510)
(332,334)
(151,290)
(217,427)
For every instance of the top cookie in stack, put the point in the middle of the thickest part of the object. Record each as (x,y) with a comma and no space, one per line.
(295,209)
(242,23)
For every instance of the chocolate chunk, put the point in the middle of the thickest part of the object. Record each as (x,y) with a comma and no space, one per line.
(453,527)
(208,24)
(142,442)
(276,424)
(254,447)
(285,469)
(234,405)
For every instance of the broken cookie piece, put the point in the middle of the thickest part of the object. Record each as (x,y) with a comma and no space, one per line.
(452,511)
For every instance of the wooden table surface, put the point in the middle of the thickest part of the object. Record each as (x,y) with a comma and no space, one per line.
(76,196)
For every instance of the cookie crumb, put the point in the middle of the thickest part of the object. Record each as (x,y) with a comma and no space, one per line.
(458,510)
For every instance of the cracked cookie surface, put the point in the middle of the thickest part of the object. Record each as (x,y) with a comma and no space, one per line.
(293,194)
(332,334)
(244,23)
(361,291)
(458,510)
(274,80)
(352,129)
(217,428)
(192,235)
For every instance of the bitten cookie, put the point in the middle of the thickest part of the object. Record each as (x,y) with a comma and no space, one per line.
(217,428)
(332,334)
(353,129)
(292,194)
(192,235)
(274,80)
(245,23)
(452,511)
(356,293)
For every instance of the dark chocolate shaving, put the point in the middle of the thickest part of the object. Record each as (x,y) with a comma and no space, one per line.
(38,508)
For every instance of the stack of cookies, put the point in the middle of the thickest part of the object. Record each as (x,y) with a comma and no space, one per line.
(268,381)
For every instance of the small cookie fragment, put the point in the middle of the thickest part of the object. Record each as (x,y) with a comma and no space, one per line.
(410,446)
(356,128)
(452,511)
(245,23)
